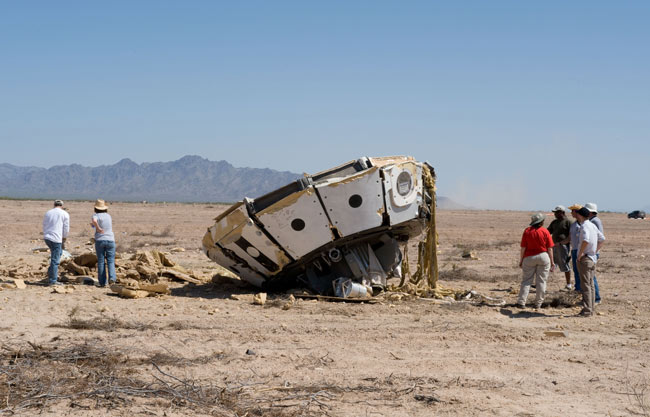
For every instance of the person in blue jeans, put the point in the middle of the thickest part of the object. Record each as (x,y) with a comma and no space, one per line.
(56,227)
(104,243)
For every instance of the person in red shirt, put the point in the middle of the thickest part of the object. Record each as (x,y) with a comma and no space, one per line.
(536,260)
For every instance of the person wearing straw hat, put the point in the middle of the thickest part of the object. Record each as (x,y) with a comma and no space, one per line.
(559,229)
(56,227)
(536,260)
(104,243)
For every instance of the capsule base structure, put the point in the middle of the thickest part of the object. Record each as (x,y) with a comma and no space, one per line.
(330,232)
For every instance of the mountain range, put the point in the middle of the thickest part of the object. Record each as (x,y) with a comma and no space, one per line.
(191,178)
(188,179)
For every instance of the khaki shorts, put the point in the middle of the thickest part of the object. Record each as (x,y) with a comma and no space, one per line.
(562,257)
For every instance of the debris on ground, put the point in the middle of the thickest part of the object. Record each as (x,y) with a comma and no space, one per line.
(88,259)
(134,289)
(260,299)
(12,283)
(151,265)
(555,333)
(71,267)
(146,268)
(470,254)
(62,289)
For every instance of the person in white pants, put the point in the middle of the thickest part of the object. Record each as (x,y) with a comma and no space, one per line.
(536,260)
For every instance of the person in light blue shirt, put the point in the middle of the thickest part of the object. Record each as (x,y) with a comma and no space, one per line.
(593,218)
(104,243)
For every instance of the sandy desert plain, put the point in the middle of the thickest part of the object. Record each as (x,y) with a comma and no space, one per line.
(206,349)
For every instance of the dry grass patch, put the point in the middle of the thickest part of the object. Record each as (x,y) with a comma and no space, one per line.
(113,324)
(34,378)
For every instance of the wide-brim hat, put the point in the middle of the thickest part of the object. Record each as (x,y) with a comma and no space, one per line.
(575,207)
(592,207)
(536,219)
(101,205)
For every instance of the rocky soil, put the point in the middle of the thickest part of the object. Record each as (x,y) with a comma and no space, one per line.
(207,349)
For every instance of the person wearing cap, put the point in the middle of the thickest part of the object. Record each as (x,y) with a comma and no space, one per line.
(559,230)
(591,240)
(536,260)
(104,243)
(56,227)
(593,217)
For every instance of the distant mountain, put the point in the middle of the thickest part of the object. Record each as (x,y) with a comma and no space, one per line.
(445,203)
(190,178)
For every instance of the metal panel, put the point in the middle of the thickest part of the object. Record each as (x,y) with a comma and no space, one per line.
(403,197)
(228,221)
(249,243)
(243,271)
(354,203)
(297,222)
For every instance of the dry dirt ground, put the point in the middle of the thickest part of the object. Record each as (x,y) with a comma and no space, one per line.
(201,351)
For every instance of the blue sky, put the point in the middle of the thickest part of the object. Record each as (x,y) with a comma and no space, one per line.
(518,105)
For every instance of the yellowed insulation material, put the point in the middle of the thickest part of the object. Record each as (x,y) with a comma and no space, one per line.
(424,282)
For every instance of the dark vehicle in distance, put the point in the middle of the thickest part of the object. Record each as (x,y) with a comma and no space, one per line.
(636,214)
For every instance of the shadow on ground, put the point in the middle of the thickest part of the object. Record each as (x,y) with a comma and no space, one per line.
(221,287)
(516,313)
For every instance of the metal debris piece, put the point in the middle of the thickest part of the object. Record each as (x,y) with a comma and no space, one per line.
(346,223)
(471,254)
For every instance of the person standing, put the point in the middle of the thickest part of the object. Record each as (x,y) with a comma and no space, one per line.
(536,260)
(559,230)
(591,240)
(104,243)
(574,234)
(593,217)
(56,227)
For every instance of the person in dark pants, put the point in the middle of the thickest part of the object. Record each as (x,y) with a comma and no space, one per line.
(559,229)
(104,243)
(56,227)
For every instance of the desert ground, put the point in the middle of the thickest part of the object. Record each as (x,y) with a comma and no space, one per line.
(207,349)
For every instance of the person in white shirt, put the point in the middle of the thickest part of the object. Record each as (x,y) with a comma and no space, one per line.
(590,240)
(56,227)
(593,217)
